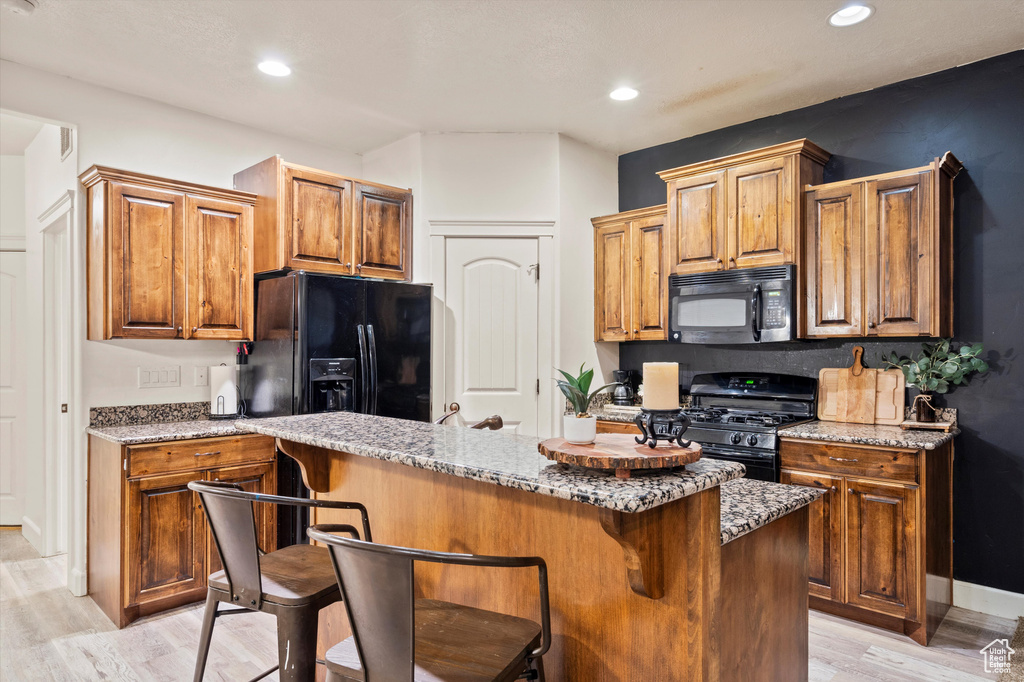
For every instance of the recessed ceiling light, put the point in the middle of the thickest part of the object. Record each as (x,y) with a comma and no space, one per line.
(623,94)
(272,68)
(850,15)
(19,6)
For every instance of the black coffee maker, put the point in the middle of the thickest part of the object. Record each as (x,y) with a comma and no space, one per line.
(333,384)
(624,392)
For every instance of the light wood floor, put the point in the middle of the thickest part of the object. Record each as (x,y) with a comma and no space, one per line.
(47,634)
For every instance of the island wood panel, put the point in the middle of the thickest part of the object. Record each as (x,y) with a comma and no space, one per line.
(603,630)
(825,533)
(219,269)
(382,230)
(612,265)
(147,265)
(697,223)
(834,261)
(649,292)
(762,215)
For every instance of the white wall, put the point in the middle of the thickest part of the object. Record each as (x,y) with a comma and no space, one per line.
(12,201)
(400,164)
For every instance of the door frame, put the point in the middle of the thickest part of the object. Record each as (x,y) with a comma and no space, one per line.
(65,480)
(544,232)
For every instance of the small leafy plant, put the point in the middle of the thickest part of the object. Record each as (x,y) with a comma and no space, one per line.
(940,366)
(575,389)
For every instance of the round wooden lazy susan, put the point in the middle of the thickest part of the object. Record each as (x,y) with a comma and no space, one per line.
(619,451)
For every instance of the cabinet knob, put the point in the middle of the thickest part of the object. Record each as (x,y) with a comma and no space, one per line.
(732,260)
(833,488)
(636,331)
(195,329)
(359,266)
(348,265)
(720,264)
(871,325)
(179,330)
(851,491)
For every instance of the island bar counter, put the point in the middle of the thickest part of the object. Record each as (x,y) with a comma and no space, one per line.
(641,586)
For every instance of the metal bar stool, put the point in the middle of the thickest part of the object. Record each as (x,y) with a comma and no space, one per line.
(397,638)
(293,583)
(494,422)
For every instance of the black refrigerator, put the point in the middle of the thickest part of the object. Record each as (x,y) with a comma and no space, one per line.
(330,343)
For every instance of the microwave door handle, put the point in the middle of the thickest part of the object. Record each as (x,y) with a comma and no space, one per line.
(755,309)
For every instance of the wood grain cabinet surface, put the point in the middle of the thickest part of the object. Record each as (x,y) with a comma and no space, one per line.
(879,259)
(630,279)
(149,545)
(317,221)
(881,535)
(740,211)
(167,259)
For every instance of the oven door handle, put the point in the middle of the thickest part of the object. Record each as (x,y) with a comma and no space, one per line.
(755,309)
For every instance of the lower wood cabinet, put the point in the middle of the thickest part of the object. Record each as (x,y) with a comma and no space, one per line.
(881,534)
(149,545)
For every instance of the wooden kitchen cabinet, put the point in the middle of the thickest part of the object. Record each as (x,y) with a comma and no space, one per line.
(630,281)
(879,254)
(740,211)
(166,259)
(881,534)
(307,219)
(149,545)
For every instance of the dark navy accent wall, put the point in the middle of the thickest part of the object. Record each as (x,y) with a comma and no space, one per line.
(977,112)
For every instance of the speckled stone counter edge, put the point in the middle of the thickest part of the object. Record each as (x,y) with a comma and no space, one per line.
(124,415)
(564,482)
(868,434)
(160,432)
(748,504)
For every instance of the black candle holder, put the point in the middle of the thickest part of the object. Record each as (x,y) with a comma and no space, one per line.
(666,425)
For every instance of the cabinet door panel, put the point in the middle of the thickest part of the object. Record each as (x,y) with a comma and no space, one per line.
(254,478)
(697,223)
(898,241)
(649,291)
(320,214)
(219,269)
(612,283)
(383,231)
(825,531)
(762,227)
(147,268)
(165,540)
(834,260)
(881,558)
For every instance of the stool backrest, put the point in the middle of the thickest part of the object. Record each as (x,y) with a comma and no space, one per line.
(229,511)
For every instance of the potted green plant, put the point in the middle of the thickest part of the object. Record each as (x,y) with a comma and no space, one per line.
(939,367)
(580,427)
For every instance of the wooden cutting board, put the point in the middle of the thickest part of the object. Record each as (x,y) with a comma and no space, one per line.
(855,400)
(619,452)
(890,396)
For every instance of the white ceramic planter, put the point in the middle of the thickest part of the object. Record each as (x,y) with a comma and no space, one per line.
(580,431)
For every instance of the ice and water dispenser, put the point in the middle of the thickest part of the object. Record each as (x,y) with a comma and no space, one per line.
(333,382)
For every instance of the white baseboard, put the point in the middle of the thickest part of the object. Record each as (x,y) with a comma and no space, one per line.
(78,582)
(988,600)
(32,533)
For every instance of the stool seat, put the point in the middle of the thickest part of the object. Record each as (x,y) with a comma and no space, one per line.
(455,643)
(295,575)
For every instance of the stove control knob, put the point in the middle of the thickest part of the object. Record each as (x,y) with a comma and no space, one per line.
(751,440)
(735,438)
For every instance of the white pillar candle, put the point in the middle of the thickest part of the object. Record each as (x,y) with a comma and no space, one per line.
(661,385)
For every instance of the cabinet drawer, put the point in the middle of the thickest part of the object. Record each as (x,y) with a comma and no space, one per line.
(835,458)
(199,453)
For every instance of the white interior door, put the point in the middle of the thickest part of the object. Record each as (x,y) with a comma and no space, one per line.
(57,375)
(491,296)
(12,387)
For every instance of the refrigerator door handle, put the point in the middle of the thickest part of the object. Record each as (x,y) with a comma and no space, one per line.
(364,373)
(373,369)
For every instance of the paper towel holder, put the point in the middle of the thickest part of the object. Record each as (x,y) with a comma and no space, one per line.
(224,396)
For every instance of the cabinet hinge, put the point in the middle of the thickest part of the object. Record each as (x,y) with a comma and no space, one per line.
(124,464)
(538,386)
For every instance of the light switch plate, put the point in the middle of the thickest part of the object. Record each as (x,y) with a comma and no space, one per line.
(159,377)
(202,376)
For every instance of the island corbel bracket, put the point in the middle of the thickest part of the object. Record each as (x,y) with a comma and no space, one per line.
(640,538)
(312,463)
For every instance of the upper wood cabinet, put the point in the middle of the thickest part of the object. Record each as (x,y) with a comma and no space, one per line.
(630,279)
(879,259)
(318,221)
(740,211)
(167,259)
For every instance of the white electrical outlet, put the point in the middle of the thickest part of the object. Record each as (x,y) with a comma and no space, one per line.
(159,377)
(202,376)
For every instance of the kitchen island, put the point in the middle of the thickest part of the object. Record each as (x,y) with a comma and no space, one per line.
(642,587)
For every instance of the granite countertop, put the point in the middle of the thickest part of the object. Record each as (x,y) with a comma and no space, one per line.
(492,457)
(135,434)
(869,434)
(748,504)
(615,415)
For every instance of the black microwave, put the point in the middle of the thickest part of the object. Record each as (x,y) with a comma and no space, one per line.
(752,305)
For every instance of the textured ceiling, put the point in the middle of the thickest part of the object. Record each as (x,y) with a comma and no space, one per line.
(369,72)
(16,133)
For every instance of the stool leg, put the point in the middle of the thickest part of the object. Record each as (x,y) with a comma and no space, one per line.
(296,643)
(206,636)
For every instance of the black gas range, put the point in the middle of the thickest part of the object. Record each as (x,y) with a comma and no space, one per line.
(736,416)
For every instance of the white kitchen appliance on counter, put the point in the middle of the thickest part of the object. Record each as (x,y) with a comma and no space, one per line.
(223,392)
